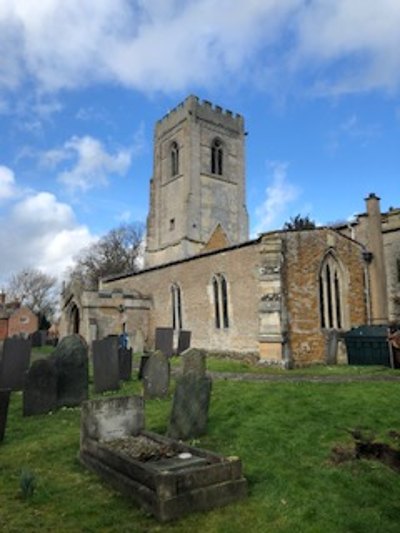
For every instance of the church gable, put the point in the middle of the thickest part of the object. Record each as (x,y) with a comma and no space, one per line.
(217,240)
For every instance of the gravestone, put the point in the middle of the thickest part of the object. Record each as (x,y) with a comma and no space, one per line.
(105,364)
(193,360)
(142,363)
(190,407)
(183,341)
(4,402)
(165,341)
(72,367)
(40,391)
(14,363)
(125,363)
(111,418)
(156,376)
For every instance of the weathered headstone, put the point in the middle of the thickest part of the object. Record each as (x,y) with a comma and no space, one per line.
(72,367)
(156,376)
(4,402)
(125,363)
(112,418)
(183,341)
(193,361)
(105,364)
(165,341)
(40,391)
(190,407)
(14,363)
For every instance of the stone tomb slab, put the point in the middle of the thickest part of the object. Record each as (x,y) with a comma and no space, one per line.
(106,364)
(14,363)
(167,478)
(156,376)
(4,403)
(40,391)
(165,341)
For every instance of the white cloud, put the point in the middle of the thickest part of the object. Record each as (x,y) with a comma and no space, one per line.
(278,197)
(7,183)
(360,38)
(40,232)
(171,45)
(88,163)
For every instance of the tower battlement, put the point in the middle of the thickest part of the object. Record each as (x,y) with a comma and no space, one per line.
(193,107)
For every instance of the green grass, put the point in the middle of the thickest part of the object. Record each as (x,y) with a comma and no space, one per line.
(283,432)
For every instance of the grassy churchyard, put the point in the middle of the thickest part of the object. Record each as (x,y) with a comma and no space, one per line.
(285,432)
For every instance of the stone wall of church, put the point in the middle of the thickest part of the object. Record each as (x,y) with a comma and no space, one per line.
(239,266)
(304,252)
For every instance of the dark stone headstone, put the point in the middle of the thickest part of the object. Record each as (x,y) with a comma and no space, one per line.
(194,361)
(142,364)
(125,363)
(40,392)
(165,341)
(105,364)
(72,367)
(190,406)
(14,363)
(4,402)
(183,341)
(36,339)
(156,376)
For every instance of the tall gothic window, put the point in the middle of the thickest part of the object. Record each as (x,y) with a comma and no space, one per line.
(174,159)
(331,294)
(217,157)
(176,302)
(220,290)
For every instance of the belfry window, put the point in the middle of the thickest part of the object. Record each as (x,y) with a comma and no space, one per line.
(176,302)
(220,291)
(217,157)
(331,294)
(174,159)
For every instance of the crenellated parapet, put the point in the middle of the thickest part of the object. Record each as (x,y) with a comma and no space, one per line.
(193,108)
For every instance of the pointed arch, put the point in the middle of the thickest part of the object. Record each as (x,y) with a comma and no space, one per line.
(332,292)
(221,309)
(174,154)
(217,157)
(176,305)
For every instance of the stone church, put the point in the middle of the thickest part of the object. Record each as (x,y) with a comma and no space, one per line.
(285,297)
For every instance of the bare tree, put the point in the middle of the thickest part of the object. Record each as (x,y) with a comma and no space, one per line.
(299,223)
(116,252)
(36,290)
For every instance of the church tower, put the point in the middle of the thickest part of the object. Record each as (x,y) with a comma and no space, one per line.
(197,192)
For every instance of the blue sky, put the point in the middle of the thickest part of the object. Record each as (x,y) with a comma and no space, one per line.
(83,82)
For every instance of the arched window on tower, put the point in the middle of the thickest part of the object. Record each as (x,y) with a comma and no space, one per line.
(176,302)
(331,293)
(174,159)
(220,290)
(217,157)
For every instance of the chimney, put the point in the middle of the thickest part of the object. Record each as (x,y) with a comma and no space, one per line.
(2,298)
(377,269)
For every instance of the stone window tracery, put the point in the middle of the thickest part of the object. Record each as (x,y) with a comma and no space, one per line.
(176,301)
(174,159)
(331,294)
(220,290)
(217,157)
